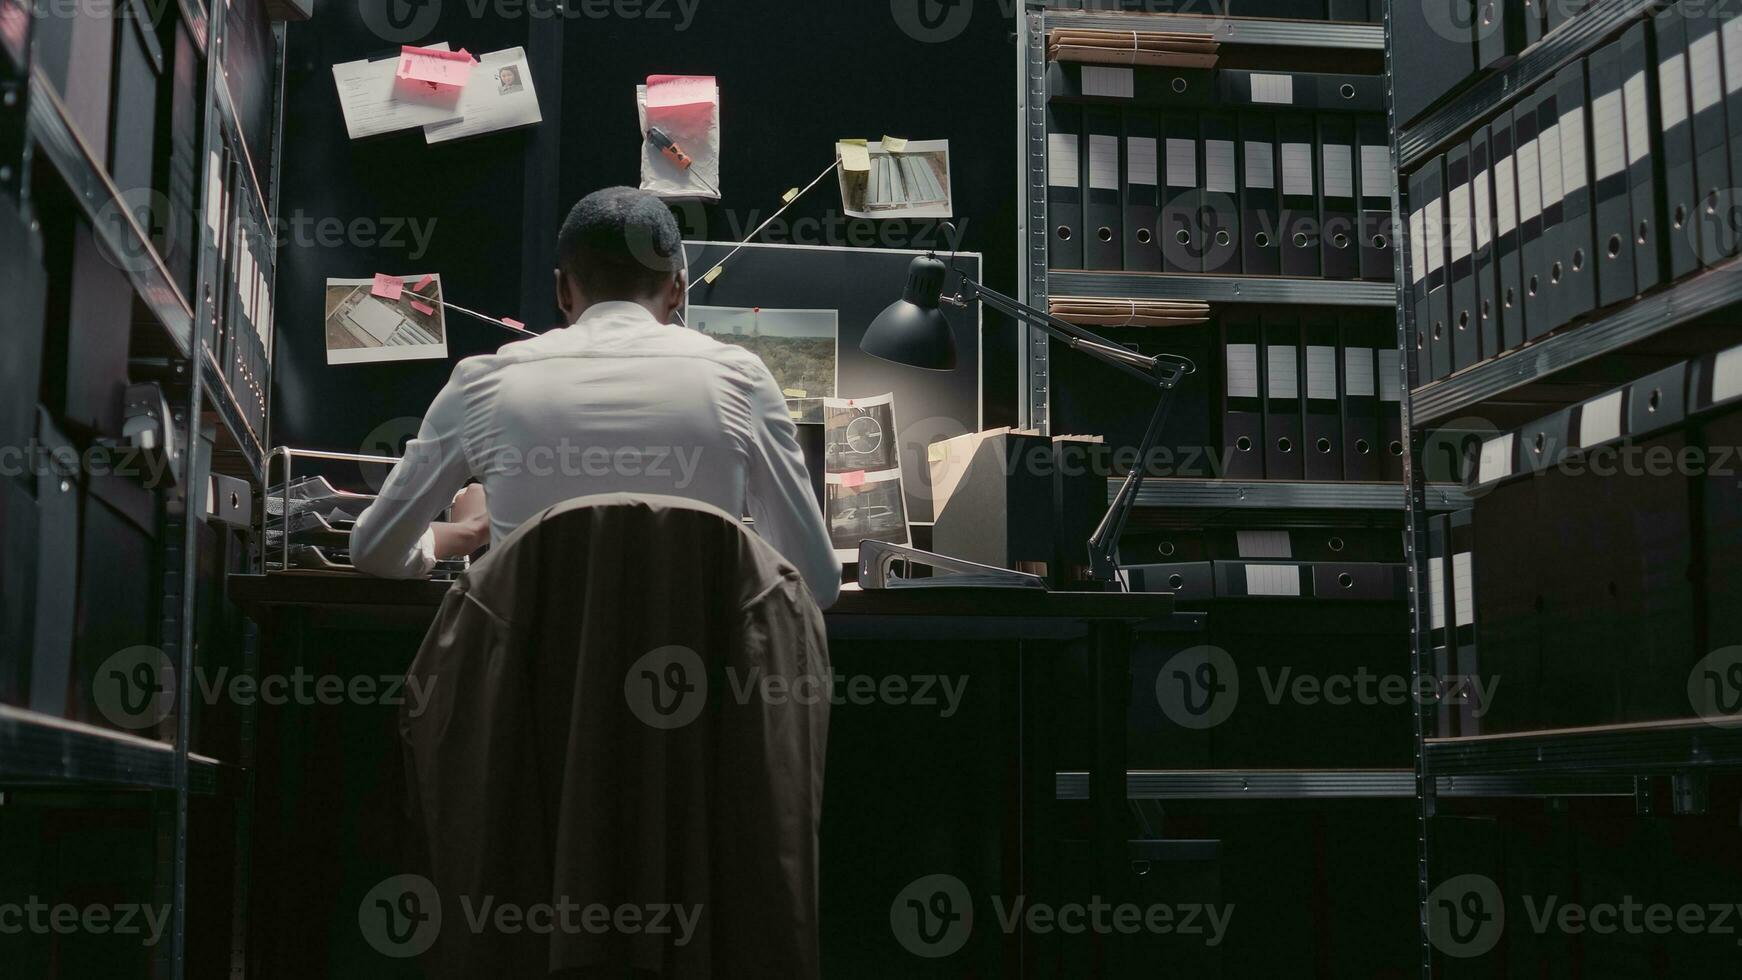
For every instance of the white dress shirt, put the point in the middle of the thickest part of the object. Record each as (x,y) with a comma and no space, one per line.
(616,403)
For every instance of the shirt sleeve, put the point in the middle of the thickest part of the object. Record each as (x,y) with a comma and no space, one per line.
(392,538)
(780,498)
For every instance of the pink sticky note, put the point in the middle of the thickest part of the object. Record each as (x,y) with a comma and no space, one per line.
(387,287)
(516,324)
(438,69)
(853,479)
(423,284)
(665,91)
(424,308)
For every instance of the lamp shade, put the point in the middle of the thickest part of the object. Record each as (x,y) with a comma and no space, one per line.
(913,330)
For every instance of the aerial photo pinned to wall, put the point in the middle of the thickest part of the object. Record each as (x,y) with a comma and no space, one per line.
(800,348)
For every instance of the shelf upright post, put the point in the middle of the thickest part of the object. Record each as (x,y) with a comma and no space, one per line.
(192,501)
(1415,530)
(1032,223)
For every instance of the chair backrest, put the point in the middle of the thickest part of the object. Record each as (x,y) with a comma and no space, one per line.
(600,732)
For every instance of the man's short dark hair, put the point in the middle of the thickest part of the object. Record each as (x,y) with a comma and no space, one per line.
(620,243)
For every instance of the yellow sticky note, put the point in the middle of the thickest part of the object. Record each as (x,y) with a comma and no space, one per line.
(855,155)
(713,274)
(894,144)
(787,198)
(794,393)
(937,452)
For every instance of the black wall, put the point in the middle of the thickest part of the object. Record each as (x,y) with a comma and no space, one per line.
(794,77)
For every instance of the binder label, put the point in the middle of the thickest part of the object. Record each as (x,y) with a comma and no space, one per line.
(1600,419)
(1063,165)
(1219,166)
(1297,169)
(1417,246)
(1484,221)
(1550,147)
(1242,370)
(1573,150)
(1375,171)
(1182,163)
(1505,197)
(1273,580)
(1273,89)
(1140,160)
(1638,119)
(1672,90)
(1262,544)
(1459,223)
(1529,182)
(1703,67)
(1436,592)
(1260,165)
(1358,372)
(1104,163)
(1733,55)
(214,194)
(1463,591)
(1495,463)
(1113,83)
(1433,235)
(1727,375)
(1321,372)
(1611,134)
(1390,374)
(1339,171)
(1284,381)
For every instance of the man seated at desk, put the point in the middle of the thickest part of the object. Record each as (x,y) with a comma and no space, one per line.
(618,402)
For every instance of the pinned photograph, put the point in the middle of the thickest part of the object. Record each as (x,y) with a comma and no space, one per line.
(894,179)
(385,319)
(862,475)
(861,435)
(800,348)
(865,512)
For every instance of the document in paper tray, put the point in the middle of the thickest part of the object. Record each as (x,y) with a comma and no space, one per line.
(374,102)
(499,96)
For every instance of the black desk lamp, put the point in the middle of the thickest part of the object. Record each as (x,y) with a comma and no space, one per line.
(914,331)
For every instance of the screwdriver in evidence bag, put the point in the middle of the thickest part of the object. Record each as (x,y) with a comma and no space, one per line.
(675,153)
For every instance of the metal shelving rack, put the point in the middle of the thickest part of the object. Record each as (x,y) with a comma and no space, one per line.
(1547,758)
(41,751)
(1039,282)
(1202,502)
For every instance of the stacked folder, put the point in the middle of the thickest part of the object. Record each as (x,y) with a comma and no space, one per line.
(1309,396)
(1255,193)
(1096,312)
(1610,178)
(1156,48)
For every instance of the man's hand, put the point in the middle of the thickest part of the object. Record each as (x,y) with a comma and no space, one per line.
(470,528)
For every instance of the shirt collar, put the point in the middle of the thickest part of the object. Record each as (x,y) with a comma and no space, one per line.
(616,308)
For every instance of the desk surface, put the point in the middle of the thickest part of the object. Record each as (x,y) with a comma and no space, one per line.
(981,612)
